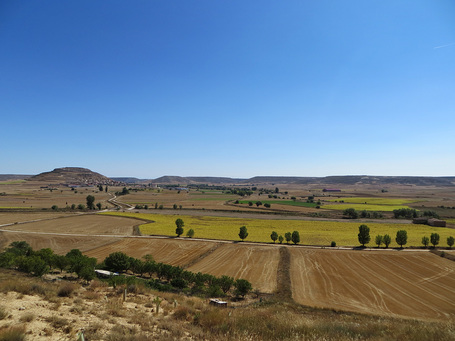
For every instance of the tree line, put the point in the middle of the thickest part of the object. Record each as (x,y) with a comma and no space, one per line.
(160,276)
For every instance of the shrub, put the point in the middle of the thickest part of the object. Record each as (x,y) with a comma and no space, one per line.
(333,244)
(66,289)
(12,334)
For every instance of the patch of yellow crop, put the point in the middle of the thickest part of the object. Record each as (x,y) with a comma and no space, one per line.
(259,230)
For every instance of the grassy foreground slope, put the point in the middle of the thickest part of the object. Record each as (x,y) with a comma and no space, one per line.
(259,230)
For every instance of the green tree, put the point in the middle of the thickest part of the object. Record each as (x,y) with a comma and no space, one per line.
(379,240)
(20,248)
(450,241)
(402,238)
(350,213)
(117,261)
(258,203)
(386,240)
(243,233)
(98,205)
(242,287)
(364,235)
(288,237)
(425,241)
(225,283)
(295,237)
(274,236)
(179,230)
(190,233)
(90,202)
(434,239)
(280,239)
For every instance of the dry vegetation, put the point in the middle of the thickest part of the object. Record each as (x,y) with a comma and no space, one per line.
(34,310)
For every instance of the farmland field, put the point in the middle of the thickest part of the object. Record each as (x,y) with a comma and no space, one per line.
(174,252)
(410,284)
(257,264)
(259,230)
(80,224)
(376,201)
(282,202)
(366,207)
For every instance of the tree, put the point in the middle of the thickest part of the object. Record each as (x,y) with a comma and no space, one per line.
(450,241)
(386,240)
(434,239)
(179,230)
(364,235)
(288,237)
(90,202)
(379,240)
(242,287)
(117,261)
(99,206)
(295,237)
(190,233)
(258,203)
(243,233)
(277,190)
(350,213)
(280,239)
(402,238)
(225,282)
(274,236)
(425,241)
(20,248)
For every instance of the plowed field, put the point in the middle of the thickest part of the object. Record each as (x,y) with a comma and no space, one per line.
(59,244)
(409,284)
(174,252)
(257,264)
(84,224)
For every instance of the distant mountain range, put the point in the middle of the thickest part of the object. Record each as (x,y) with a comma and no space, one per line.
(78,175)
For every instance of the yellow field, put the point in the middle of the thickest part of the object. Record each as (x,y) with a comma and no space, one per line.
(259,230)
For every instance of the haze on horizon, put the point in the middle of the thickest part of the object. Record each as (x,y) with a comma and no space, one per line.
(238,89)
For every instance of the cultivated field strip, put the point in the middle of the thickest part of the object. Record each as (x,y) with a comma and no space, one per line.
(169,251)
(82,224)
(411,284)
(59,244)
(257,264)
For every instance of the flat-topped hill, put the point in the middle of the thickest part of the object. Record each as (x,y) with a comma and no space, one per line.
(73,175)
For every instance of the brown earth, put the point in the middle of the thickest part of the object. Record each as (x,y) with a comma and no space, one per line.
(406,284)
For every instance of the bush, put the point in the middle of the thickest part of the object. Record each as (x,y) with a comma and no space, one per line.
(66,289)
(12,334)
(333,244)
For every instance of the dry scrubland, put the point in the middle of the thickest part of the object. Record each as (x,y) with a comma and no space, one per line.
(40,310)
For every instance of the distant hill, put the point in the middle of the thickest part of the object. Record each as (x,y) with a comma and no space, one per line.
(328,180)
(73,175)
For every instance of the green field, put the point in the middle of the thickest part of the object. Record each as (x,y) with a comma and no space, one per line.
(12,182)
(259,230)
(282,202)
(377,201)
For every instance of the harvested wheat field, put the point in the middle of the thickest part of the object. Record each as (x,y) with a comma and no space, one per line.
(59,244)
(174,252)
(404,284)
(257,264)
(82,224)
(15,217)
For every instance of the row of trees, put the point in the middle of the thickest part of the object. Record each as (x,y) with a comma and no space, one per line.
(410,213)
(166,277)
(401,238)
(20,256)
(351,213)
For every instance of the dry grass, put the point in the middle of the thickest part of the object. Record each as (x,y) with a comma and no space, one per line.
(66,289)
(27,317)
(16,333)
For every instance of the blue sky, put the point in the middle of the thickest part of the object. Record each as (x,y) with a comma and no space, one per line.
(228,88)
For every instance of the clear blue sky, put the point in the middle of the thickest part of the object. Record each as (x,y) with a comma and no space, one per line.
(228,88)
